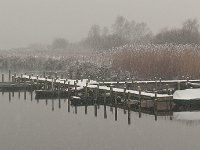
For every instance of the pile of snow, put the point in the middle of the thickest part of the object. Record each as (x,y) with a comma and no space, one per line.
(187,94)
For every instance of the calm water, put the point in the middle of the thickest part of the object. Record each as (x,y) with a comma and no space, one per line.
(54,125)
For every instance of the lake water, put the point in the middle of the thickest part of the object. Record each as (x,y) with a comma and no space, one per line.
(54,125)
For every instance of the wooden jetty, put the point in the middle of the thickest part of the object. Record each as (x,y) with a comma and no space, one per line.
(48,87)
(86,86)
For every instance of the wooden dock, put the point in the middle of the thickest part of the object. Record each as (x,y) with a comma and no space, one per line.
(85,86)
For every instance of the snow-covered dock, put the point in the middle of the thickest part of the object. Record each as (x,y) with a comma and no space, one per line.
(80,85)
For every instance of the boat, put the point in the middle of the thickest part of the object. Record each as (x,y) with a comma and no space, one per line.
(187,97)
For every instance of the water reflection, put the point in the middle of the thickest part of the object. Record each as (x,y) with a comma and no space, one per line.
(158,110)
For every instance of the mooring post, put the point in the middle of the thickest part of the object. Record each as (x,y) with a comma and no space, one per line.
(9,75)
(69,92)
(140,101)
(75,85)
(129,100)
(15,74)
(125,93)
(126,84)
(37,82)
(115,97)
(2,77)
(64,84)
(12,78)
(59,84)
(44,74)
(156,84)
(160,83)
(61,76)
(103,82)
(56,75)
(178,85)
(132,83)
(111,92)
(187,79)
(104,96)
(45,83)
(117,82)
(155,105)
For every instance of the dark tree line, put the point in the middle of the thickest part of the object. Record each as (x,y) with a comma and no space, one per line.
(124,32)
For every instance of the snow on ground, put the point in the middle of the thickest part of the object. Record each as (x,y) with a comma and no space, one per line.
(187,94)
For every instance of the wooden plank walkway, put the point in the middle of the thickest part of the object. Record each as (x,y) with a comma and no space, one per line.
(91,84)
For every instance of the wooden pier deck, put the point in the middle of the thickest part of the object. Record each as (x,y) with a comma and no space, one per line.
(78,85)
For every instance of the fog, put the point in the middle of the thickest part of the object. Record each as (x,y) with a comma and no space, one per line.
(24,22)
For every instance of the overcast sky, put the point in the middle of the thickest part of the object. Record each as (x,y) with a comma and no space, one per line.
(23,22)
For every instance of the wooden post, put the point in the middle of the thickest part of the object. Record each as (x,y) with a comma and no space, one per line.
(45,83)
(2,77)
(12,78)
(75,85)
(9,75)
(64,84)
(61,76)
(105,112)
(104,96)
(111,92)
(56,75)
(129,104)
(156,85)
(69,92)
(117,83)
(37,82)
(132,83)
(160,83)
(155,105)
(44,74)
(140,101)
(178,85)
(125,93)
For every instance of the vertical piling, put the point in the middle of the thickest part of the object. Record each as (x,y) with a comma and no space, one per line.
(140,101)
(178,85)
(9,75)
(2,77)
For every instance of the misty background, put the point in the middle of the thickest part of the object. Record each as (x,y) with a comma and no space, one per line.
(26,22)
